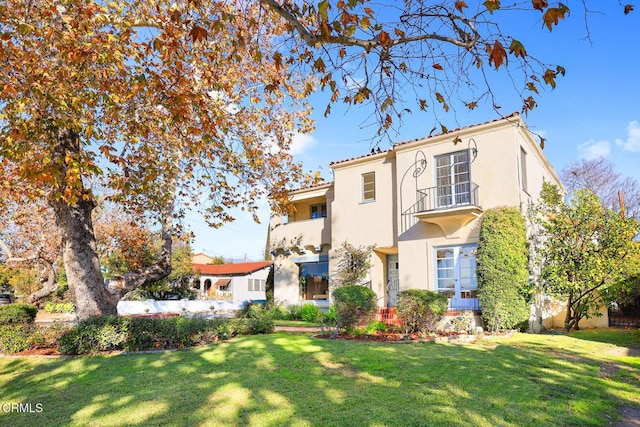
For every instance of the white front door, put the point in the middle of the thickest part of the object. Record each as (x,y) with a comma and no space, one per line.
(456,276)
(393,280)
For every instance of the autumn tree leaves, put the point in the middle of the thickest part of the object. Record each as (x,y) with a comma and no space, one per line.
(166,106)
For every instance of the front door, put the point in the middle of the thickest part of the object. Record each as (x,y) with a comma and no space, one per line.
(393,280)
(456,275)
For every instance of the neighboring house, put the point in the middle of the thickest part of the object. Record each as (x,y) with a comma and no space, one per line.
(243,281)
(420,203)
(201,258)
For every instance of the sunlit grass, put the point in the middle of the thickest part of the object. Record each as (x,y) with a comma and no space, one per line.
(298,380)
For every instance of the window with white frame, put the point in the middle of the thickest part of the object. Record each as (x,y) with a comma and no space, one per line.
(453,179)
(256,284)
(369,187)
(456,275)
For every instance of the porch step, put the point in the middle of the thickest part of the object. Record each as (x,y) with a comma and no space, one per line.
(389,316)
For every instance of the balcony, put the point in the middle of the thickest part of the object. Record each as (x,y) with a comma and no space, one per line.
(304,233)
(449,207)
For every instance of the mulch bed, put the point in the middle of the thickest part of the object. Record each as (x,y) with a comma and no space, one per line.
(398,337)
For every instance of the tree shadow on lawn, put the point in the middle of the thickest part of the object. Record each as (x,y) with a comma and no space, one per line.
(626,337)
(295,379)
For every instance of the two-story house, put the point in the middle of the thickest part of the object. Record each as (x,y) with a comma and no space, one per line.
(420,203)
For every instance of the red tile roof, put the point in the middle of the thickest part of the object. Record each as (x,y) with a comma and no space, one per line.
(238,269)
(510,116)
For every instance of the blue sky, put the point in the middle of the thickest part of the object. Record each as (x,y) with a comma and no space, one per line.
(594,111)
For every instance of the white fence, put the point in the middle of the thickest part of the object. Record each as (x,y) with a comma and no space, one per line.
(208,307)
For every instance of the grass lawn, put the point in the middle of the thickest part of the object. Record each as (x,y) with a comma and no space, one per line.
(293,379)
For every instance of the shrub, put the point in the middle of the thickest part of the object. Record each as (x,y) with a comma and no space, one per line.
(15,338)
(260,325)
(421,309)
(353,304)
(375,326)
(295,312)
(309,313)
(17,313)
(133,334)
(59,307)
(329,317)
(502,269)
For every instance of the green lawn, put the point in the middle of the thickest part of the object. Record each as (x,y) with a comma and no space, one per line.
(297,380)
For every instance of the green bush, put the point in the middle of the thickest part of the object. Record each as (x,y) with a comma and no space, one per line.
(59,307)
(109,333)
(17,313)
(260,325)
(503,269)
(421,309)
(295,312)
(375,326)
(354,304)
(329,317)
(310,313)
(15,338)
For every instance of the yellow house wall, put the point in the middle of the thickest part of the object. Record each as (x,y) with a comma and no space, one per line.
(365,223)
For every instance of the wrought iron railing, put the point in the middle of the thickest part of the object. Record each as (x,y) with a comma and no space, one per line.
(440,198)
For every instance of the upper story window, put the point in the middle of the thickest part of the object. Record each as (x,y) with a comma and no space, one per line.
(523,168)
(453,179)
(318,211)
(369,187)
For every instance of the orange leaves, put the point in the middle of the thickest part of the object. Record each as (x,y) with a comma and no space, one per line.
(198,33)
(554,14)
(497,54)
(460,5)
(384,38)
(628,8)
(492,5)
(539,4)
(441,100)
(549,75)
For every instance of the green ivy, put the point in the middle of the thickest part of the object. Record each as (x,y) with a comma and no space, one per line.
(503,269)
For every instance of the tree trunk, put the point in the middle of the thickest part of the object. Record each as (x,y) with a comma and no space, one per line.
(568,320)
(162,268)
(48,280)
(81,261)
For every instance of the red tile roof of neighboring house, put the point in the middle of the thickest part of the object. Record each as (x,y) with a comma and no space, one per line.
(238,269)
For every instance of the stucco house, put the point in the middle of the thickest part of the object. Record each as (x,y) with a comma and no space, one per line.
(420,203)
(244,281)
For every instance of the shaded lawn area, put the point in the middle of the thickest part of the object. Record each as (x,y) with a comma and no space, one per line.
(287,379)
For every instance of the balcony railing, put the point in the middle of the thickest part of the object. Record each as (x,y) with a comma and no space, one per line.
(440,199)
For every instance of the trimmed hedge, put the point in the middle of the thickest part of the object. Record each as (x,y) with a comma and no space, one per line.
(354,304)
(108,333)
(502,269)
(421,309)
(17,313)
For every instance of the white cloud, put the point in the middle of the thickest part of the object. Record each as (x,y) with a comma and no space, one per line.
(301,142)
(594,149)
(633,137)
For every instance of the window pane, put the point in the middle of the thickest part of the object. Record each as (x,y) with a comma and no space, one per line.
(368,186)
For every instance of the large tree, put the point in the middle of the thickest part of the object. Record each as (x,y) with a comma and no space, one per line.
(586,248)
(166,102)
(163,103)
(600,176)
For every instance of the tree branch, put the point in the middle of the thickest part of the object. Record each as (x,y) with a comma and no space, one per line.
(315,40)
